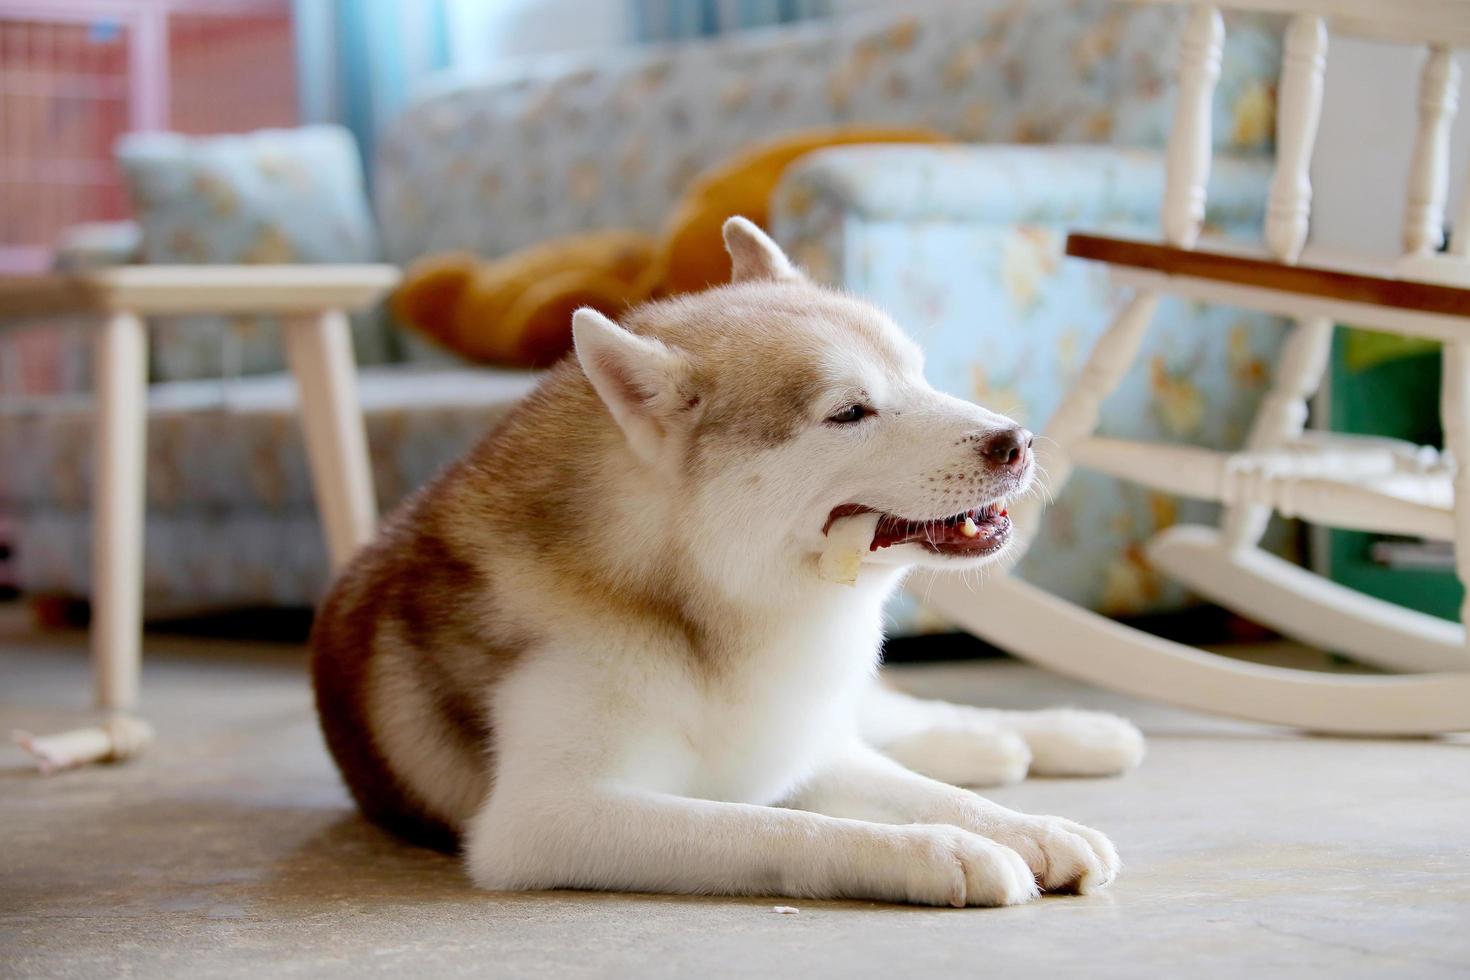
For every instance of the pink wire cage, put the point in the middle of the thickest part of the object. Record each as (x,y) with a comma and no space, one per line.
(77,74)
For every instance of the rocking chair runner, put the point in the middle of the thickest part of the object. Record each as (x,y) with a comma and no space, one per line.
(1361,483)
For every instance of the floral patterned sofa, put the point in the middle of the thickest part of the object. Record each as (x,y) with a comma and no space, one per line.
(961,243)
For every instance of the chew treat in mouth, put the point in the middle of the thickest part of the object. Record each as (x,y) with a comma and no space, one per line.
(848,540)
(853,530)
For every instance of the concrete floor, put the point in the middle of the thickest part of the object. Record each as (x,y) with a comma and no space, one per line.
(231,850)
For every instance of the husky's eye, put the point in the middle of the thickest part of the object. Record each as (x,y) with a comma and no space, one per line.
(851,414)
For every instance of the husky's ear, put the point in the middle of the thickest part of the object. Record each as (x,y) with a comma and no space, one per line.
(753,255)
(639,379)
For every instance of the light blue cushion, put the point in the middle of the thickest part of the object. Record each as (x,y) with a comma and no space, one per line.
(293,195)
(273,196)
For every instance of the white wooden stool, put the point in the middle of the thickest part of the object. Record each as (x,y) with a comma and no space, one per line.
(313,302)
(1342,481)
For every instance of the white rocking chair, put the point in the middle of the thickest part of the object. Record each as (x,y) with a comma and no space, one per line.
(1359,483)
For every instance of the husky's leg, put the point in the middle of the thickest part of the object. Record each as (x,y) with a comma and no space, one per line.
(938,740)
(533,837)
(585,755)
(863,784)
(970,746)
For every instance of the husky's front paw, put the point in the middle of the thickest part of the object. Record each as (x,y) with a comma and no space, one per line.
(1068,742)
(1063,855)
(944,865)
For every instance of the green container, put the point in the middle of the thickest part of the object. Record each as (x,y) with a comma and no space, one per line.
(1387,386)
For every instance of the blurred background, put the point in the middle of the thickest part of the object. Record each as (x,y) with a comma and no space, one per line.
(80,73)
(931,157)
(514,159)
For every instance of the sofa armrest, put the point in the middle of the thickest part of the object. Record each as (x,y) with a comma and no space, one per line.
(832,201)
(97,244)
(1009,184)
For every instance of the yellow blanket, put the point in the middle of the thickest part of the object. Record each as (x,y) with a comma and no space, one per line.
(516,310)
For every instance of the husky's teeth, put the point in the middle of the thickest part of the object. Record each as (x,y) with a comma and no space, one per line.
(969,530)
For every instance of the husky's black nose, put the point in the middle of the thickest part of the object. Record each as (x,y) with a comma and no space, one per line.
(1007,448)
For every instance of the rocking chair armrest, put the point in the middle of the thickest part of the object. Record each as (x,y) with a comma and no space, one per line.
(1005,184)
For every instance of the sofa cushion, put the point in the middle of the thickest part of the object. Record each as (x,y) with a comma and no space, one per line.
(273,196)
(193,562)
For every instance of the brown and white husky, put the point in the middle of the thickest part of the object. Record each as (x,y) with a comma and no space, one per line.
(597,652)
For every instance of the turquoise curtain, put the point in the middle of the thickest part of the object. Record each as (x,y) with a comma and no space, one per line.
(358,60)
(667,20)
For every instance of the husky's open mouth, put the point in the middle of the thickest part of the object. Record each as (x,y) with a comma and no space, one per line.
(979,531)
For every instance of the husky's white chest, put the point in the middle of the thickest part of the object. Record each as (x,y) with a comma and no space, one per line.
(748,723)
(756,732)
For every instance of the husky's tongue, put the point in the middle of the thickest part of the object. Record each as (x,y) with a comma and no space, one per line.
(972,532)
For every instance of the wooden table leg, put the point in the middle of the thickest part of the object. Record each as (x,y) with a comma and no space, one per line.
(319,350)
(117,509)
(120,421)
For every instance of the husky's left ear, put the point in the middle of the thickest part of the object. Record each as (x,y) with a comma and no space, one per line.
(753,255)
(640,380)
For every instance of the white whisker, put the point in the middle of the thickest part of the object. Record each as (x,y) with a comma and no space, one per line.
(928,588)
(1042,486)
